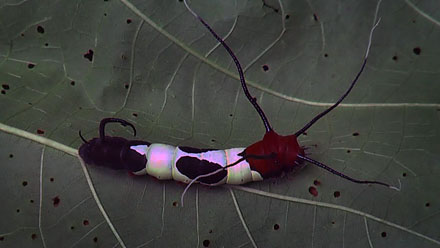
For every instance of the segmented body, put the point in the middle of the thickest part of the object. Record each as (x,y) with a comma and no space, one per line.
(184,164)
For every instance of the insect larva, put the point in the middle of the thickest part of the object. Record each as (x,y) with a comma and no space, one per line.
(269,157)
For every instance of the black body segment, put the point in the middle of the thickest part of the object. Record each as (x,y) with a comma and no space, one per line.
(194,167)
(188,149)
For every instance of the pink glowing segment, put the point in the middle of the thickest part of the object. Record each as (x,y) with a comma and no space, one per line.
(160,161)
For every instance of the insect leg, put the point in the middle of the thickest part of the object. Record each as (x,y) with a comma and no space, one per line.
(335,172)
(80,135)
(323,113)
(111,120)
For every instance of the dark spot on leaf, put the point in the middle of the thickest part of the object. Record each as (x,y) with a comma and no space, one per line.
(427,204)
(128,21)
(24,183)
(287,17)
(316,182)
(86,222)
(72,227)
(46,44)
(31,201)
(315,17)
(230,115)
(105,14)
(210,231)
(18,210)
(30,65)
(180,0)
(5,86)
(337,194)
(206,243)
(395,58)
(175,204)
(34,236)
(127,86)
(72,83)
(51,179)
(265,67)
(325,55)
(313,191)
(333,222)
(56,201)
(22,35)
(135,115)
(40,29)
(404,174)
(417,50)
(383,234)
(11,155)
(3,92)
(276,227)
(213,140)
(95,239)
(40,131)
(89,55)
(2,238)
(348,151)
(355,134)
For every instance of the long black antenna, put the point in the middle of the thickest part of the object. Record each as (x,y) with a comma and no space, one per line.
(323,113)
(251,99)
(333,171)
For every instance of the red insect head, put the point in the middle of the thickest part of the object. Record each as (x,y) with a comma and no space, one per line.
(284,151)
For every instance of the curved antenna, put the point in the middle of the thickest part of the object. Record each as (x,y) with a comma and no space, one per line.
(335,172)
(251,99)
(111,120)
(84,140)
(323,113)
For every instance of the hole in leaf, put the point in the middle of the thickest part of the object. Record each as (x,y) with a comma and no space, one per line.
(175,204)
(337,194)
(355,134)
(128,21)
(325,55)
(427,204)
(72,83)
(5,86)
(51,179)
(40,131)
(417,50)
(56,201)
(383,234)
(287,17)
(316,182)
(11,155)
(86,222)
(404,174)
(24,183)
(34,236)
(95,239)
(265,67)
(395,57)
(30,65)
(89,55)
(313,191)
(40,29)
(206,243)
(315,17)
(276,227)
(348,151)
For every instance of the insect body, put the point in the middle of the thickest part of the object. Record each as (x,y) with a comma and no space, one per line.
(269,157)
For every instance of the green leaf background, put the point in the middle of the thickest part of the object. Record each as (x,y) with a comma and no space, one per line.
(155,65)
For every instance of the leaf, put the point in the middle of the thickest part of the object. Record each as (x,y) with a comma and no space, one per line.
(155,65)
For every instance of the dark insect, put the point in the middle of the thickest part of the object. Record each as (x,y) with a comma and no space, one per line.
(270,157)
